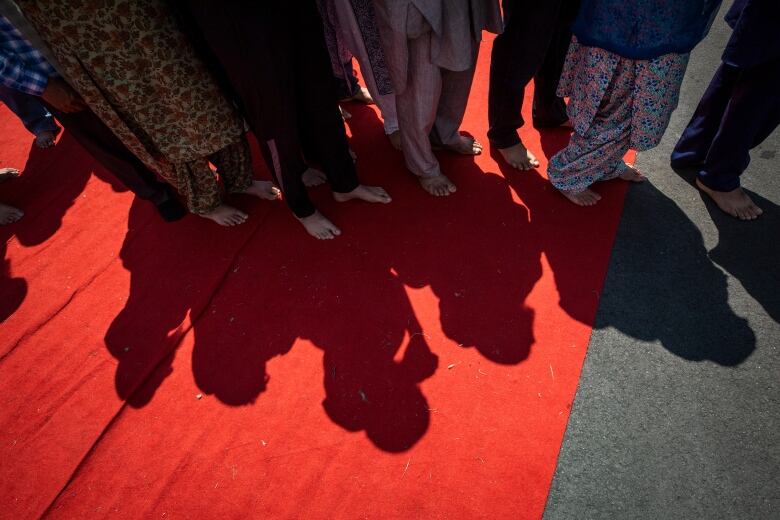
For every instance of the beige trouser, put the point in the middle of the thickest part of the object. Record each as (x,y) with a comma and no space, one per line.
(433,103)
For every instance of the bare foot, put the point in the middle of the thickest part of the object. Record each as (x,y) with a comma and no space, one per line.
(9,214)
(519,157)
(736,202)
(6,174)
(225,215)
(313,177)
(45,139)
(465,146)
(263,189)
(395,139)
(320,227)
(438,186)
(365,193)
(632,174)
(585,197)
(363,96)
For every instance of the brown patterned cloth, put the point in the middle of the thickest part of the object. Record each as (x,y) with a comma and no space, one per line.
(136,70)
(196,181)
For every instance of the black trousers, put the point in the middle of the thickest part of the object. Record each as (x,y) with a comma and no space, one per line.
(102,144)
(739,109)
(274,57)
(533,45)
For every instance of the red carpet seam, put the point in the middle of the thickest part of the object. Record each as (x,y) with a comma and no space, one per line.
(47,319)
(156,367)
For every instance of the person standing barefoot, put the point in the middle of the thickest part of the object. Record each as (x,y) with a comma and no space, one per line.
(739,110)
(288,97)
(33,115)
(431,49)
(352,24)
(533,45)
(9,214)
(622,75)
(145,82)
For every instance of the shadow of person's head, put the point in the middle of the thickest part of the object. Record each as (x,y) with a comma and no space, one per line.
(666,288)
(174,270)
(477,251)
(368,390)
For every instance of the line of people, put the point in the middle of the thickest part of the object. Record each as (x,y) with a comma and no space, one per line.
(158,89)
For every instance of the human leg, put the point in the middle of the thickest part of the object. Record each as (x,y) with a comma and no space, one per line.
(696,140)
(517,55)
(266,88)
(752,114)
(359,34)
(319,122)
(549,109)
(455,90)
(417,106)
(108,150)
(9,214)
(6,174)
(33,114)
(234,165)
(597,153)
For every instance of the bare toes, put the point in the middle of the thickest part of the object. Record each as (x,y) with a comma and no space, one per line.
(380,193)
(313,177)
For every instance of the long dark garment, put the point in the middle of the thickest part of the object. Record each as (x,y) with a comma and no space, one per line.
(30,111)
(741,106)
(274,57)
(91,133)
(533,45)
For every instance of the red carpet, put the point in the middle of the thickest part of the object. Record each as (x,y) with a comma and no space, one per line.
(420,366)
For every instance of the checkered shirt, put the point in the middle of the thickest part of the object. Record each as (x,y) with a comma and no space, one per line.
(22,67)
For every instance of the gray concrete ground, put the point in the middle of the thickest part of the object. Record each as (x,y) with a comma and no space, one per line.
(677,415)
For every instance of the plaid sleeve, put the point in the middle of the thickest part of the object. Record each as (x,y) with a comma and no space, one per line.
(15,74)
(22,67)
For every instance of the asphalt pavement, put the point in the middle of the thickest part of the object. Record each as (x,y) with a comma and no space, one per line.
(677,415)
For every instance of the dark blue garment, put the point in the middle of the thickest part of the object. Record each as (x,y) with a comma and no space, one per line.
(738,111)
(756,36)
(29,110)
(644,29)
(741,106)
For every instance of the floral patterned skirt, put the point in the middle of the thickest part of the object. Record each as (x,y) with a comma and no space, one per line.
(615,104)
(138,72)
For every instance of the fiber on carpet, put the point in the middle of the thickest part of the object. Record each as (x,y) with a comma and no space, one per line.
(421,365)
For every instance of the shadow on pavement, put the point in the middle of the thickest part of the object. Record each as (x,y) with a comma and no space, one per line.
(668,287)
